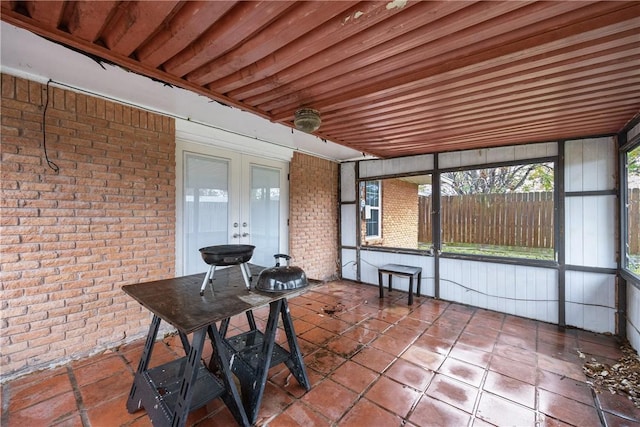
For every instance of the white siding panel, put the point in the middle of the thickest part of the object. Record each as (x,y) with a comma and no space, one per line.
(633,316)
(348,182)
(349,266)
(375,168)
(590,301)
(590,224)
(371,260)
(590,164)
(523,291)
(496,155)
(501,154)
(533,151)
(348,225)
(449,160)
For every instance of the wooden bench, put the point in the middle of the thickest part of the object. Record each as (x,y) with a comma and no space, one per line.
(404,271)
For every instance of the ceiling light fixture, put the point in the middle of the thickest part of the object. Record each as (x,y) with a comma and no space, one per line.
(307,120)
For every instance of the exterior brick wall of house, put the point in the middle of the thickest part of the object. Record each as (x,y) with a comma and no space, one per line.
(71,239)
(400,212)
(313,213)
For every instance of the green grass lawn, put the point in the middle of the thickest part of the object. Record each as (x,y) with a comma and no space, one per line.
(495,250)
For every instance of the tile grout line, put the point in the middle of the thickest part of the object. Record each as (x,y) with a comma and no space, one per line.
(79,402)
(6,395)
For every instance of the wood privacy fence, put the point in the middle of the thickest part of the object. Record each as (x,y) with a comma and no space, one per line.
(515,219)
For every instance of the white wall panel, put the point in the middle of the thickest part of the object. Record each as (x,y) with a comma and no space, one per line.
(371,260)
(369,168)
(633,316)
(590,301)
(523,291)
(349,266)
(590,164)
(590,231)
(496,155)
(348,225)
(348,182)
(533,151)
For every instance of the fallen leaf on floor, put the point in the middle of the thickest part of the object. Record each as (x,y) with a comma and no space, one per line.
(621,378)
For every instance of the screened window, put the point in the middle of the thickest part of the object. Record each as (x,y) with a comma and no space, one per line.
(504,211)
(396,212)
(372,217)
(632,244)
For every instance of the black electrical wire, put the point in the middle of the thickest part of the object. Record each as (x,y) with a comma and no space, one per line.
(51,164)
(467,289)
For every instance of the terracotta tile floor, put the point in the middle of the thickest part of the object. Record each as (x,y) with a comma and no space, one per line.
(371,363)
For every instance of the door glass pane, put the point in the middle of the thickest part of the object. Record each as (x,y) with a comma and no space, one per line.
(206,208)
(265,214)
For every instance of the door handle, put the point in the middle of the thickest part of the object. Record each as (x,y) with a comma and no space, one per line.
(235,235)
(245,234)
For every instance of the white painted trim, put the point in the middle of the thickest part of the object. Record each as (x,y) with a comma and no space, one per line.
(215,137)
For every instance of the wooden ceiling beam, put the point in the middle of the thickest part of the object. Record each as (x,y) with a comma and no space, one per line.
(135,24)
(230,31)
(341,28)
(289,26)
(346,39)
(48,12)
(193,19)
(88,18)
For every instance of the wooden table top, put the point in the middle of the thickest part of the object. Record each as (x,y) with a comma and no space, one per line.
(178,301)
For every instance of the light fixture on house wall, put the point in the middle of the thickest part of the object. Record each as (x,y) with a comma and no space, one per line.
(307,120)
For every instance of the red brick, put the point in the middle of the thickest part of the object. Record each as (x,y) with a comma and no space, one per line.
(73,238)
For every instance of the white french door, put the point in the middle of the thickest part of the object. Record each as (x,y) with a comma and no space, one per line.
(230,198)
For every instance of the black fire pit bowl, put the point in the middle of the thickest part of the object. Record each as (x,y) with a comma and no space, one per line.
(221,255)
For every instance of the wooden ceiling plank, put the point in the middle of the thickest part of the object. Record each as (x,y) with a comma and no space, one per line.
(393,128)
(617,21)
(354,54)
(503,29)
(88,18)
(494,101)
(49,13)
(516,126)
(500,72)
(295,23)
(498,123)
(135,24)
(193,19)
(337,40)
(495,92)
(491,125)
(236,26)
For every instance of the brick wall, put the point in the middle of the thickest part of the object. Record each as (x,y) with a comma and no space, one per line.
(399,214)
(70,240)
(313,213)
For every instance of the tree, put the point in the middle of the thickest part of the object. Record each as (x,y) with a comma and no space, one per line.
(503,179)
